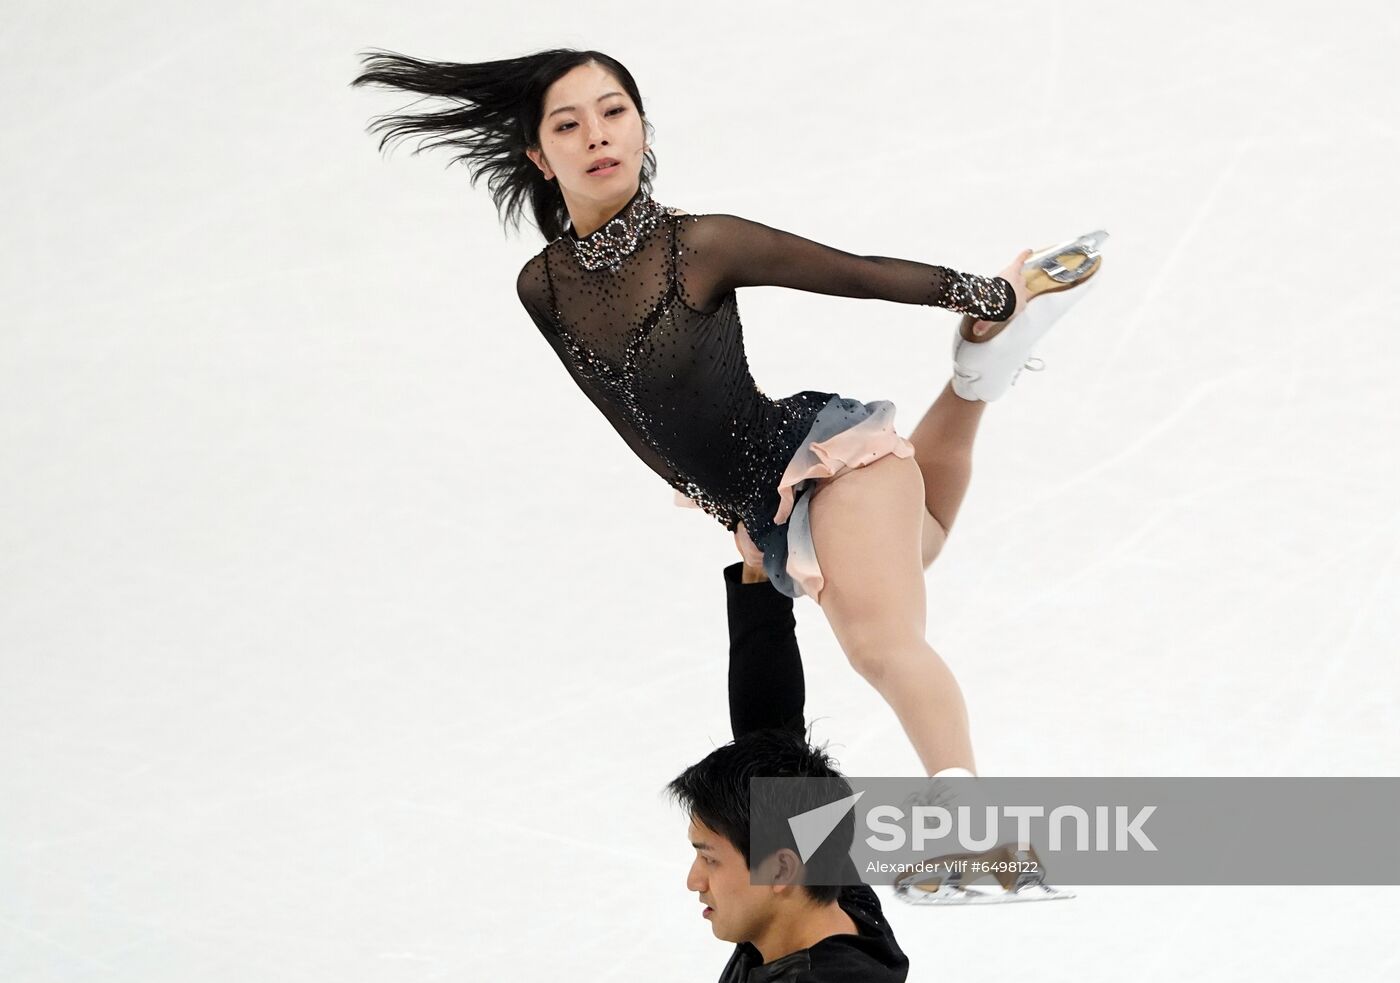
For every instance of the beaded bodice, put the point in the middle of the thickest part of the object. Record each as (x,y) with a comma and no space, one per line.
(642,313)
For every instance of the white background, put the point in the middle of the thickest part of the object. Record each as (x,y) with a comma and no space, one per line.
(341,639)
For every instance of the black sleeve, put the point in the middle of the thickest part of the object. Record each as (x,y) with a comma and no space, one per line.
(721,252)
(766,686)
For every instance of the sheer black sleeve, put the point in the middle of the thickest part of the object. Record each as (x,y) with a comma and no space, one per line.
(721,252)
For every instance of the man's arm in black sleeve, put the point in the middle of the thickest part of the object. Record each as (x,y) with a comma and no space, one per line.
(766,686)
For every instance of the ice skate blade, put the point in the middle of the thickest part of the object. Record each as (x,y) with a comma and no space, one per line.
(1064,265)
(951,894)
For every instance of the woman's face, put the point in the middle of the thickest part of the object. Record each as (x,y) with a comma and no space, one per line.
(589,116)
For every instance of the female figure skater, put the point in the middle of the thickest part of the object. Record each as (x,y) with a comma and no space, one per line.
(638,302)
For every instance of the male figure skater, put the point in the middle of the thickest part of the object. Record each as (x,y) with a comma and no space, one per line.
(784,932)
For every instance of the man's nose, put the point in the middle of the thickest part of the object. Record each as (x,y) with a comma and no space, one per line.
(695,880)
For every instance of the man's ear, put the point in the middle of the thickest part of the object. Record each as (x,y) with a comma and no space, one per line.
(787,868)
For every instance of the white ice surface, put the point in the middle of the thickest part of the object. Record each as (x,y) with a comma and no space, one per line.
(341,639)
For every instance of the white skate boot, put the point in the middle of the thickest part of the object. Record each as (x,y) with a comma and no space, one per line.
(1057,278)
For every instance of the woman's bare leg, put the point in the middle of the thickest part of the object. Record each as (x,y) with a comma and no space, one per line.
(866,527)
(943,447)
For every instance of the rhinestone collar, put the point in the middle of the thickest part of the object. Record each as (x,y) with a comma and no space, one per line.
(618,237)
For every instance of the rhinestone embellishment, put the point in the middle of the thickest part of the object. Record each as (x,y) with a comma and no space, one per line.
(985,297)
(611,243)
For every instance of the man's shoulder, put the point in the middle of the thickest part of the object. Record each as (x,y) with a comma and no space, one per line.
(872,955)
(745,958)
(835,959)
(852,960)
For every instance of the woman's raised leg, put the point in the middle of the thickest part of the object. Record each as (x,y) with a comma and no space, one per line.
(944,437)
(943,447)
(866,526)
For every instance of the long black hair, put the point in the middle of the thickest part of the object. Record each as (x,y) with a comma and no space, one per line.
(500,105)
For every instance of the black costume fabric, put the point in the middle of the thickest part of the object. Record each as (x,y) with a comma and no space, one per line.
(643,314)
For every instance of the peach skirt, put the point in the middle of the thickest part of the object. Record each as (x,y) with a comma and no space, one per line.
(845,434)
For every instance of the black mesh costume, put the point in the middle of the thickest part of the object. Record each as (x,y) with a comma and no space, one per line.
(643,314)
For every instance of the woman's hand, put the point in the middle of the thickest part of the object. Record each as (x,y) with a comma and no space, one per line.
(1013,275)
(753,572)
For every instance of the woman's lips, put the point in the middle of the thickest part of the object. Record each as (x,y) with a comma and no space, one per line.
(606,170)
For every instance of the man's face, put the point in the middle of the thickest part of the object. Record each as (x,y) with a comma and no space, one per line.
(737,910)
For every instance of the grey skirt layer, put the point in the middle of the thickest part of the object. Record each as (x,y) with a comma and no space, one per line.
(845,434)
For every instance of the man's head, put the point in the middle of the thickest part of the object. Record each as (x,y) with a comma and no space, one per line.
(744,895)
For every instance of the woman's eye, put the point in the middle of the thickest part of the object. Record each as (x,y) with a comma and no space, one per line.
(615,109)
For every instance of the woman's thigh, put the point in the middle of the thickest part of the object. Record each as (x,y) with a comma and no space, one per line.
(934,537)
(868,533)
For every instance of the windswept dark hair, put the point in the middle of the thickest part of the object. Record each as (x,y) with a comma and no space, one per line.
(716,792)
(500,105)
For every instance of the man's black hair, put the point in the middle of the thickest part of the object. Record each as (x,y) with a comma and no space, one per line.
(716,792)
